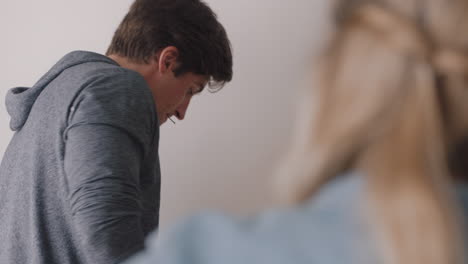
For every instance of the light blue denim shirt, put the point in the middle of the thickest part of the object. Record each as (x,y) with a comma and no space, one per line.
(330,228)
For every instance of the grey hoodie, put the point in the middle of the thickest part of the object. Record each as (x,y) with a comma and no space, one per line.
(80,179)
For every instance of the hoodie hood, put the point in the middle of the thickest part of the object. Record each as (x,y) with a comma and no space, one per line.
(20,100)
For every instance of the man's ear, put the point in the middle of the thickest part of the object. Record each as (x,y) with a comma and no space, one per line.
(167,59)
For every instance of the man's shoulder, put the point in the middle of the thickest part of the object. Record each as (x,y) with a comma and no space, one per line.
(100,74)
(96,77)
(117,89)
(102,71)
(89,66)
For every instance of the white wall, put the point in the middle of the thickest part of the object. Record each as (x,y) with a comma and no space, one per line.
(223,154)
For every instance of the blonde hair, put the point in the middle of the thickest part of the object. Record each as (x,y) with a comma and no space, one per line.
(391,104)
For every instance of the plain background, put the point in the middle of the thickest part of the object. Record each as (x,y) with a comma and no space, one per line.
(223,154)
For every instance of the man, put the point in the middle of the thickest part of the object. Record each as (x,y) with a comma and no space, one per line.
(80,179)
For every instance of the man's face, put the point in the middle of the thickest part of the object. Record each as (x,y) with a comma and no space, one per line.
(173,94)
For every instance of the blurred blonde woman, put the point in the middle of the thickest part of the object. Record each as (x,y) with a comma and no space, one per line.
(376,172)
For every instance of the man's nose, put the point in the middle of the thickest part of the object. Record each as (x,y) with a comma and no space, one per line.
(182,109)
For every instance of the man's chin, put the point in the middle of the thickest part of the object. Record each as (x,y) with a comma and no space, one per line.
(162,120)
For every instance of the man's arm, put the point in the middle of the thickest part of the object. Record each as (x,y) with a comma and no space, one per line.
(106,141)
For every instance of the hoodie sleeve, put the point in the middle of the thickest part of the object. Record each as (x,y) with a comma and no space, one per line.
(110,131)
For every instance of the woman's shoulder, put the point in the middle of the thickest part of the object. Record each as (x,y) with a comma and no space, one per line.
(326,229)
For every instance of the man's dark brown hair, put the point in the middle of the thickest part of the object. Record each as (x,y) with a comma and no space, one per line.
(189,25)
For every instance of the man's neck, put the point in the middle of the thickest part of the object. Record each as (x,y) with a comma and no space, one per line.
(144,69)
